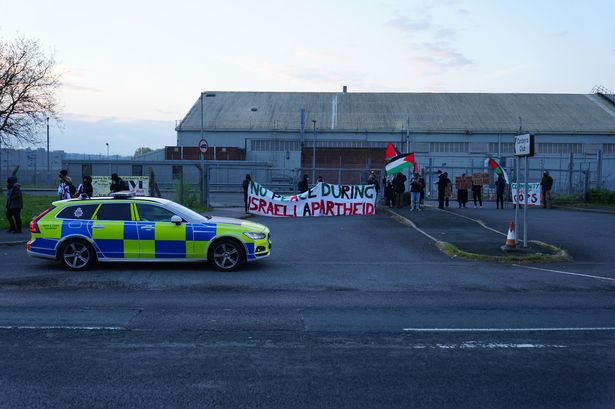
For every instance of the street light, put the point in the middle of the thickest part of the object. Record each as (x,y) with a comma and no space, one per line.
(314,153)
(108,161)
(48,162)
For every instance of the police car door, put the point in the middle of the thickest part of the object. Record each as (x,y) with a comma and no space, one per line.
(110,233)
(158,236)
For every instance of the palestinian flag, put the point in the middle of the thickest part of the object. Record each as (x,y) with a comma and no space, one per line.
(396,162)
(497,169)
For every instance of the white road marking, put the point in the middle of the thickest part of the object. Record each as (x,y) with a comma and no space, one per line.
(565,272)
(508,329)
(61,327)
(414,226)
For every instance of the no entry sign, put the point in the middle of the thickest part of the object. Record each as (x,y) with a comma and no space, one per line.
(203,146)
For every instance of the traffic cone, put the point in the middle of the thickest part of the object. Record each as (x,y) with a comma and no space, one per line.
(511,240)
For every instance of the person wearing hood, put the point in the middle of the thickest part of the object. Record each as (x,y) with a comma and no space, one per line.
(14,204)
(85,188)
(246,186)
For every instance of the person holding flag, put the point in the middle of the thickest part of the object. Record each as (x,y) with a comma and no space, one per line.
(500,184)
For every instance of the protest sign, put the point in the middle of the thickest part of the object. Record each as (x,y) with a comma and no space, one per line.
(480,178)
(463,182)
(533,190)
(137,184)
(324,199)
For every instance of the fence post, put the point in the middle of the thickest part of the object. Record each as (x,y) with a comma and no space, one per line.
(570,172)
(599,170)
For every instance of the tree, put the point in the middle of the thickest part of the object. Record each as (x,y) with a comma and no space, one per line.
(27,90)
(142,151)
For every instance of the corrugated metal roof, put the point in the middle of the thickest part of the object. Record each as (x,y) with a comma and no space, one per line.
(424,112)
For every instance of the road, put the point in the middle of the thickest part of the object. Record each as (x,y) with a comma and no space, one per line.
(346,313)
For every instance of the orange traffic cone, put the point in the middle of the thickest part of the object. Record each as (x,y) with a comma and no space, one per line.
(511,240)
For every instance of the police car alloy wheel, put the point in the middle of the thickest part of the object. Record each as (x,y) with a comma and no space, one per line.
(77,255)
(226,254)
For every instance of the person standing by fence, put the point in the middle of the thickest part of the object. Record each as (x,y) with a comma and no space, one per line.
(500,188)
(14,204)
(66,189)
(400,188)
(545,186)
(415,193)
(477,194)
(246,186)
(303,185)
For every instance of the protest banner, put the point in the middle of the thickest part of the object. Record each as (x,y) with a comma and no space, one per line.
(533,190)
(324,199)
(463,182)
(480,178)
(137,184)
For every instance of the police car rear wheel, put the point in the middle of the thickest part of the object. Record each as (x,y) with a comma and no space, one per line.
(226,255)
(77,255)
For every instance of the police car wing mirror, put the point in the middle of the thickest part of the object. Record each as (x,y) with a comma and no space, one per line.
(176,219)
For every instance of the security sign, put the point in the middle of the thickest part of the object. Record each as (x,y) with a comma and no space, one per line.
(203,146)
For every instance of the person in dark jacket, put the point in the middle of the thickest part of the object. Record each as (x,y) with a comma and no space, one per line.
(546,184)
(415,193)
(462,195)
(423,185)
(448,189)
(400,187)
(246,186)
(389,192)
(14,204)
(477,194)
(117,184)
(441,188)
(303,185)
(500,188)
(85,188)
(373,180)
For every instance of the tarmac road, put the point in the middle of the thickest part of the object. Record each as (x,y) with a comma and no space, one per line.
(346,313)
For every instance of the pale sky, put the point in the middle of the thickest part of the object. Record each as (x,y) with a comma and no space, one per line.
(130,69)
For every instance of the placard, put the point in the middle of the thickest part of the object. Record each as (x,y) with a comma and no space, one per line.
(534,193)
(137,184)
(480,178)
(463,182)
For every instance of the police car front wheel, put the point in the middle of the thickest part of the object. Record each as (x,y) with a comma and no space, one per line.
(77,255)
(226,254)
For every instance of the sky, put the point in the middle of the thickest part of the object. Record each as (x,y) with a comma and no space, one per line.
(131,69)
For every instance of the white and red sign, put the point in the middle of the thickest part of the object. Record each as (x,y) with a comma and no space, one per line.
(203,146)
(324,199)
(533,193)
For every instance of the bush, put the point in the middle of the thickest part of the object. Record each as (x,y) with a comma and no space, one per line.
(601,196)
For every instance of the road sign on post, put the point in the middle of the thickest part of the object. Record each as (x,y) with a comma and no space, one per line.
(524,145)
(203,146)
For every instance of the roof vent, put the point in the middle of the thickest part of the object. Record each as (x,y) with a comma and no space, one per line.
(209,95)
(254,109)
(345,89)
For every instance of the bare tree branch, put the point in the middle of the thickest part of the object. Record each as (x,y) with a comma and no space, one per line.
(27,90)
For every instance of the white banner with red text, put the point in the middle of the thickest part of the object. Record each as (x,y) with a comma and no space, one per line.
(324,199)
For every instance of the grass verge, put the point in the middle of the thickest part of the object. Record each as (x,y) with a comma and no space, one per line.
(33,206)
(558,254)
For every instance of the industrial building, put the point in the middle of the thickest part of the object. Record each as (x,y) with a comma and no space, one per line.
(342,135)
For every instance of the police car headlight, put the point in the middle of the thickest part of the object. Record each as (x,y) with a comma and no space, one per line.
(255,236)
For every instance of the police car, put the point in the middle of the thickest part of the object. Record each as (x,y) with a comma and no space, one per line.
(81,232)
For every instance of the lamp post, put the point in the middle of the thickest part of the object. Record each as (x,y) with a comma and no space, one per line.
(108,161)
(314,153)
(48,162)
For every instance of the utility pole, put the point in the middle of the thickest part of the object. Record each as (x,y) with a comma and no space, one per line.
(48,162)
(314,153)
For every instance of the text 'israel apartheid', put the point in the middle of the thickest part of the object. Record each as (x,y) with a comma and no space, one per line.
(324,199)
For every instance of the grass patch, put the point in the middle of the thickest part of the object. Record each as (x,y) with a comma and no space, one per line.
(33,206)
(558,254)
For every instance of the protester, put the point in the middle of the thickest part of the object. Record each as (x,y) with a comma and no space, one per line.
(14,204)
(462,195)
(117,184)
(389,192)
(448,189)
(415,193)
(423,185)
(400,187)
(85,188)
(500,188)
(303,184)
(477,194)
(373,180)
(246,185)
(545,186)
(66,189)
(441,188)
